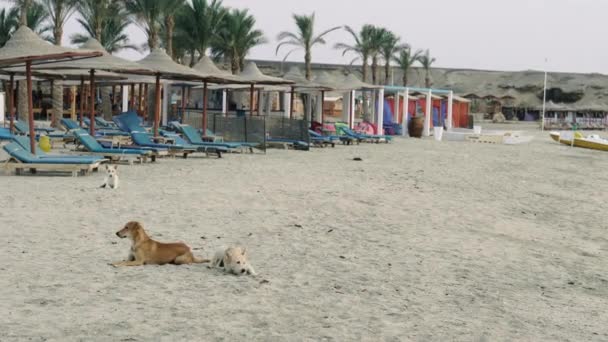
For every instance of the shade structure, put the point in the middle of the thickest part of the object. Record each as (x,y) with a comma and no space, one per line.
(352,82)
(164,67)
(328,81)
(252,75)
(65,74)
(212,74)
(26,47)
(97,67)
(294,74)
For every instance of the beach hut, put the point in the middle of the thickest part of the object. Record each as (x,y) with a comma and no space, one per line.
(25,47)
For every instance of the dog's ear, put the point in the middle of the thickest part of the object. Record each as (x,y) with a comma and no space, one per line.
(107,167)
(115,167)
(243,251)
(227,255)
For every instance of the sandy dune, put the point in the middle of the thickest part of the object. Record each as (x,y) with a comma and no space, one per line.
(422,241)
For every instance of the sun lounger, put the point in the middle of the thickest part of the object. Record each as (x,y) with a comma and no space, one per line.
(145,140)
(177,139)
(105,132)
(287,143)
(193,137)
(115,154)
(363,137)
(24,142)
(20,160)
(55,136)
(129,122)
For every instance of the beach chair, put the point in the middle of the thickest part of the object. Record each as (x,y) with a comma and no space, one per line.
(288,143)
(92,147)
(193,137)
(54,135)
(20,160)
(105,132)
(314,135)
(24,142)
(129,122)
(145,140)
(363,137)
(177,139)
(105,124)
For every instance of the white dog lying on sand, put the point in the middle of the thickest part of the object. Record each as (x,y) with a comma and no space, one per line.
(233,260)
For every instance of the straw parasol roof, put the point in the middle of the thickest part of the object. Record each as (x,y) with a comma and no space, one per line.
(327,81)
(294,74)
(106,62)
(162,65)
(66,74)
(25,45)
(352,82)
(251,74)
(211,72)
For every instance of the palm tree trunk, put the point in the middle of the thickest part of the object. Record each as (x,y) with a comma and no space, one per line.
(387,71)
(405,78)
(22,100)
(170,24)
(374,70)
(427,79)
(23,17)
(235,65)
(57,90)
(57,98)
(153,39)
(365,69)
(307,60)
(106,104)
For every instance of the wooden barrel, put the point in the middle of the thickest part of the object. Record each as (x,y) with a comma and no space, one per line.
(416,126)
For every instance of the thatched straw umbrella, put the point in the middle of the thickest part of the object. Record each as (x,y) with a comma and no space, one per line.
(212,74)
(105,62)
(163,66)
(294,74)
(252,75)
(26,47)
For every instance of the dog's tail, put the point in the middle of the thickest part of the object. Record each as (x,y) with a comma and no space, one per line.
(196,260)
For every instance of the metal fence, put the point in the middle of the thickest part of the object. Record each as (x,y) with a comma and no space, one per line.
(246,128)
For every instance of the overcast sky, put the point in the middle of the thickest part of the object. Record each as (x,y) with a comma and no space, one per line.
(478,34)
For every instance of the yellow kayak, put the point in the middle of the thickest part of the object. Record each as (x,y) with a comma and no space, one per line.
(593,142)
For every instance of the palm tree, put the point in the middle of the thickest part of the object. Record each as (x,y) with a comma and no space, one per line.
(9,20)
(406,60)
(169,9)
(362,46)
(37,18)
(427,63)
(388,48)
(105,21)
(236,38)
(59,12)
(304,38)
(148,14)
(22,7)
(199,24)
(377,35)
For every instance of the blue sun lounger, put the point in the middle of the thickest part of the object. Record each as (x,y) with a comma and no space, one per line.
(21,159)
(364,137)
(194,138)
(145,140)
(177,139)
(22,128)
(115,154)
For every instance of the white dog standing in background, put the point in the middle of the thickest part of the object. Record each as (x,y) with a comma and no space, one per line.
(233,260)
(111,177)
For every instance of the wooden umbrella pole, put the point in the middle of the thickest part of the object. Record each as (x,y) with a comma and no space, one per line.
(259,105)
(251,100)
(30,106)
(322,107)
(292,100)
(82,97)
(92,104)
(157,105)
(11,105)
(146,102)
(183,102)
(132,101)
(205,102)
(140,100)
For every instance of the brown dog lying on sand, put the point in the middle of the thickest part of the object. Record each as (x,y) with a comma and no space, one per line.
(145,251)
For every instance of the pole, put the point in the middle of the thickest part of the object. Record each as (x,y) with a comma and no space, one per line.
(259,104)
(251,91)
(30,106)
(542,122)
(140,101)
(322,108)
(132,100)
(92,104)
(11,105)
(292,100)
(183,102)
(205,102)
(157,105)
(406,112)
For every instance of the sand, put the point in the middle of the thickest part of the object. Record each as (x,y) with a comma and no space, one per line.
(421,241)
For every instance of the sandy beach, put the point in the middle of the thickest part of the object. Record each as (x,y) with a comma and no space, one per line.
(421,241)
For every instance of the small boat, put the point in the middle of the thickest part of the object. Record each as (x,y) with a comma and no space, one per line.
(594,142)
